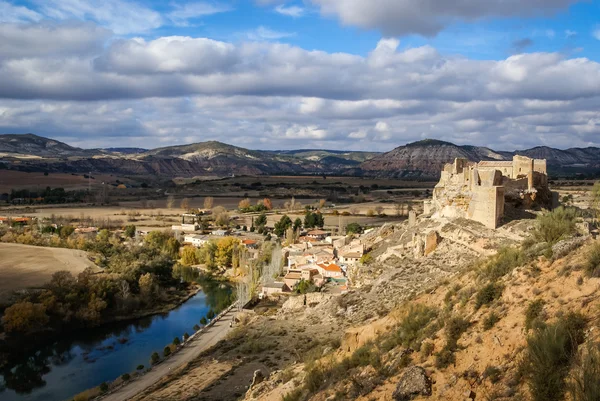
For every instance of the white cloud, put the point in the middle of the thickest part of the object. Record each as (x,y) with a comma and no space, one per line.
(428,17)
(70,79)
(263,33)
(182,13)
(569,33)
(122,17)
(596,33)
(291,11)
(12,13)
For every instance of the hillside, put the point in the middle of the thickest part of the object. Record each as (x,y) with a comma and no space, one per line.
(423,159)
(454,324)
(426,159)
(418,160)
(33,145)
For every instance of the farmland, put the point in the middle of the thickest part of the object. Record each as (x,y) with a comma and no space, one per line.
(26,266)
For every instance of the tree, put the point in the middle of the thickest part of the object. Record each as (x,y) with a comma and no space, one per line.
(207,254)
(176,341)
(297,224)
(171,248)
(154,358)
(66,231)
(208,202)
(268,204)
(130,231)
(170,202)
(283,224)
(322,203)
(354,228)
(275,267)
(24,317)
(379,210)
(189,256)
(185,204)
(224,254)
(167,351)
(244,204)
(147,284)
(261,220)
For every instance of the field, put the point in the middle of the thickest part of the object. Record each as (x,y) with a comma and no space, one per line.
(36,181)
(25,266)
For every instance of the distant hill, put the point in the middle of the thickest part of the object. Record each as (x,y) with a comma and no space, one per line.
(30,144)
(417,160)
(423,159)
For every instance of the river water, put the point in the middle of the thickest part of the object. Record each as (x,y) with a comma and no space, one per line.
(60,370)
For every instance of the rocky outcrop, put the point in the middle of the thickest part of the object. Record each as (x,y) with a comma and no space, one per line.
(414,382)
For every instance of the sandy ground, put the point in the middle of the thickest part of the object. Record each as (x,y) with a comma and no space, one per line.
(26,266)
(190,352)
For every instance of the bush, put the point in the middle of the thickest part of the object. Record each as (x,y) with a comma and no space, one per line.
(295,395)
(411,329)
(455,327)
(592,264)
(503,263)
(167,351)
(492,373)
(125,377)
(140,367)
(555,225)
(490,321)
(549,354)
(186,336)
(176,341)
(203,321)
(103,387)
(533,313)
(488,294)
(211,314)
(366,259)
(586,383)
(154,358)
(196,327)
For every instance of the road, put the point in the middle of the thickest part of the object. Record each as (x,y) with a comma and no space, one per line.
(192,349)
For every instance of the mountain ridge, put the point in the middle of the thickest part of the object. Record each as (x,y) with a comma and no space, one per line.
(416,160)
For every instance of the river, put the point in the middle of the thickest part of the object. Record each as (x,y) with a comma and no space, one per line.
(60,370)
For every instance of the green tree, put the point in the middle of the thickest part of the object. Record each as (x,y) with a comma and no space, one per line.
(354,228)
(154,358)
(130,231)
(297,224)
(261,220)
(283,224)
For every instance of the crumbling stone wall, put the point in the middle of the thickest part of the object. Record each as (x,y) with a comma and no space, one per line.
(478,191)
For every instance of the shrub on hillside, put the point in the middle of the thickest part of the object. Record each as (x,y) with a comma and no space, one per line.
(586,377)
(490,320)
(555,225)
(503,263)
(154,358)
(592,264)
(488,294)
(411,330)
(533,314)
(550,351)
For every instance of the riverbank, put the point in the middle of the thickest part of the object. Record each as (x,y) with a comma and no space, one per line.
(87,358)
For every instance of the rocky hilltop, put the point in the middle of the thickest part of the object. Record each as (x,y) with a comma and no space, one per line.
(425,159)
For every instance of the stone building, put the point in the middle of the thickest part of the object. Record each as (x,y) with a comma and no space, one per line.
(479,191)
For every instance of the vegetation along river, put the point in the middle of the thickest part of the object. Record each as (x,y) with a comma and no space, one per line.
(60,370)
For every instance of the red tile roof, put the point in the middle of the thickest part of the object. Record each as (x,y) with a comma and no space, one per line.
(331,268)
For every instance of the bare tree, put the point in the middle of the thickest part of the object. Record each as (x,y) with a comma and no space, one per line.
(243,291)
(275,267)
(208,202)
(170,202)
(185,204)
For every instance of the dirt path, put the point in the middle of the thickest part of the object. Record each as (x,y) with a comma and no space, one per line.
(190,352)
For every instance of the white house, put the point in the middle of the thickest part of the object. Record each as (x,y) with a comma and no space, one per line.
(196,240)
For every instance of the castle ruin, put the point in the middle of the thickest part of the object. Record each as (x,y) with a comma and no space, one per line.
(479,191)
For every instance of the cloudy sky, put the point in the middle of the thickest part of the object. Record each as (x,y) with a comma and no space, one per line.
(270,74)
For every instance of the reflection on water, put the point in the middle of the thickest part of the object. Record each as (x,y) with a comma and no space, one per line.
(86,359)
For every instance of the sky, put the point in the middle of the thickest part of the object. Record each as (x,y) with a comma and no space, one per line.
(324,74)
